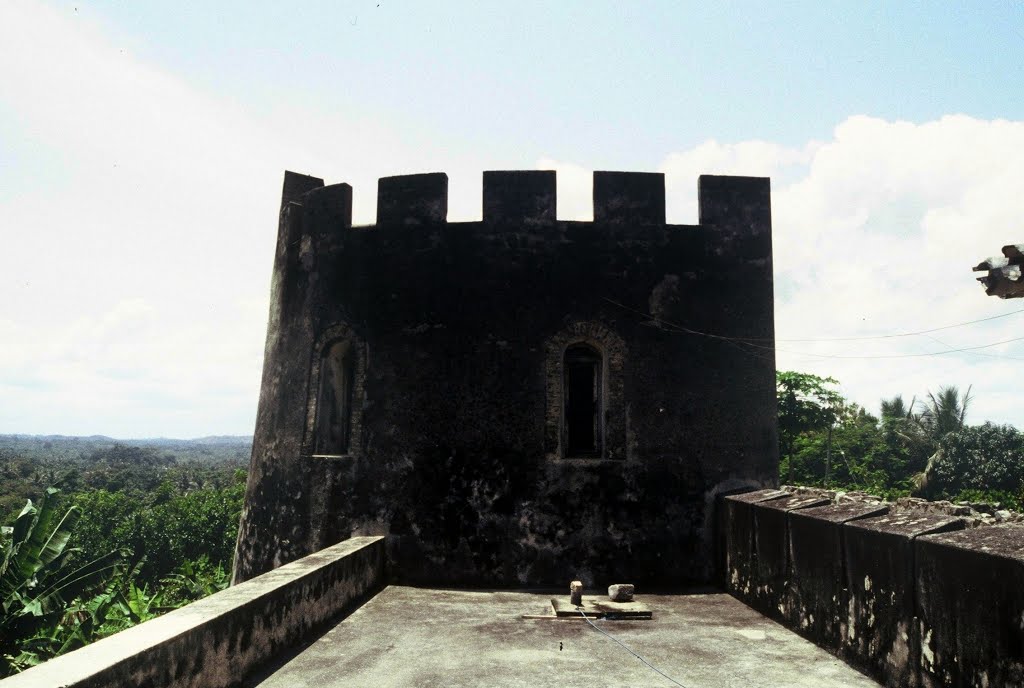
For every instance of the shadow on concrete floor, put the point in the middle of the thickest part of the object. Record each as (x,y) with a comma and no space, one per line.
(423,637)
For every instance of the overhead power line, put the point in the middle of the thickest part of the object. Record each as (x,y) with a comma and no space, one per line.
(688,330)
(740,342)
(918,355)
(975,353)
(902,334)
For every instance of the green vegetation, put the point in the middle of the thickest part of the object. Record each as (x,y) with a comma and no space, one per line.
(30,464)
(806,403)
(135,531)
(40,578)
(923,448)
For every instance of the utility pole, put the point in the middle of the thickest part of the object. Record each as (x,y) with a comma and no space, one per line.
(828,452)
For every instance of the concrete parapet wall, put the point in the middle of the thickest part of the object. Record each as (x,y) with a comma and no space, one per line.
(879,634)
(737,522)
(914,594)
(772,551)
(217,641)
(817,591)
(971,607)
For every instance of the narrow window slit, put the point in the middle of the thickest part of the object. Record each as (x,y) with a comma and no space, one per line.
(333,429)
(583,413)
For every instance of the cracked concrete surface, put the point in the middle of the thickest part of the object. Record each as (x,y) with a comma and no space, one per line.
(422,637)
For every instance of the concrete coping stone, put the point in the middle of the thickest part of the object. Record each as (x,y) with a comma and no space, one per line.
(859,497)
(909,523)
(810,490)
(1004,541)
(76,668)
(844,511)
(757,496)
(793,502)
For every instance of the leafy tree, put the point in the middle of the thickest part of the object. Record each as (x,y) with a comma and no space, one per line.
(853,455)
(805,403)
(194,580)
(923,447)
(186,528)
(175,521)
(986,458)
(165,527)
(126,467)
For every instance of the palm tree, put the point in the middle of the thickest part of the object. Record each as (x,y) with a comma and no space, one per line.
(942,414)
(897,409)
(910,445)
(945,412)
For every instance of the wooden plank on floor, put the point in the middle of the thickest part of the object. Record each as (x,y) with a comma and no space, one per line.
(600,608)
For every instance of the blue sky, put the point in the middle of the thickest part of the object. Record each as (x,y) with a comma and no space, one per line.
(539,78)
(142,146)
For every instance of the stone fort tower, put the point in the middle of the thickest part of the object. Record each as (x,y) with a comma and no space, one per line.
(516,401)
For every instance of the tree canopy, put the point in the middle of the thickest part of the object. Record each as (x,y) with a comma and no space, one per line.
(806,402)
(923,447)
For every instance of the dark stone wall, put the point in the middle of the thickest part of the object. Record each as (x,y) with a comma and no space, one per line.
(913,594)
(460,329)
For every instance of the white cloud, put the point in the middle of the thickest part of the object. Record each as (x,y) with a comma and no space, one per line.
(135,274)
(135,279)
(747,158)
(877,235)
(875,232)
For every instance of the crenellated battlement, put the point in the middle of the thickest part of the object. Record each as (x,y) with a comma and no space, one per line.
(467,388)
(530,198)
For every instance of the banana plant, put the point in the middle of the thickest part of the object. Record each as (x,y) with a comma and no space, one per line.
(39,578)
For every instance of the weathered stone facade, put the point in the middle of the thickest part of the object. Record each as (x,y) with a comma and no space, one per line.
(912,593)
(516,401)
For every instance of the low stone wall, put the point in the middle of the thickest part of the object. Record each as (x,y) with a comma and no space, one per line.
(217,641)
(914,593)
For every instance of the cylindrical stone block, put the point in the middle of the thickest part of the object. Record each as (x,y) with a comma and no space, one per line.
(576,593)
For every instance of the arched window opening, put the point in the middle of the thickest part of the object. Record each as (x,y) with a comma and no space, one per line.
(582,398)
(334,402)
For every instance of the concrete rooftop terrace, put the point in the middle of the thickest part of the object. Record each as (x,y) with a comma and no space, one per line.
(405,636)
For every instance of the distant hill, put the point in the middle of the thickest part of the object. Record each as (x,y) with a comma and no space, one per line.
(45,448)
